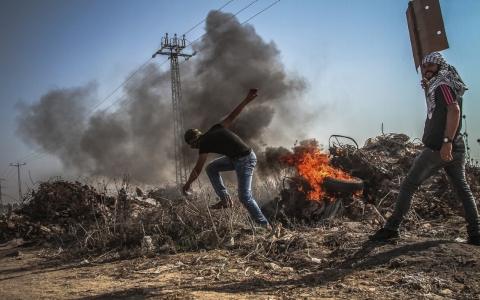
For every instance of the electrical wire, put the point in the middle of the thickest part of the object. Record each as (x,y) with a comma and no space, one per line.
(10,197)
(223,22)
(93,109)
(8,177)
(50,150)
(159,46)
(206,18)
(241,24)
(5,171)
(61,134)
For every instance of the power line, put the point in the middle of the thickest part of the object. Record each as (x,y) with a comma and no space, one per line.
(205,19)
(81,119)
(1,202)
(159,46)
(51,149)
(223,22)
(56,147)
(8,177)
(3,173)
(10,197)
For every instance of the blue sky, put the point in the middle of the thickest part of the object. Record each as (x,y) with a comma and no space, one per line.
(354,55)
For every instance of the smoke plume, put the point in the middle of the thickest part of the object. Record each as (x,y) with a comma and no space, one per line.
(138,139)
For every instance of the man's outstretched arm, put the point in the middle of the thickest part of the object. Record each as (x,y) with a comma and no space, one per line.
(252,94)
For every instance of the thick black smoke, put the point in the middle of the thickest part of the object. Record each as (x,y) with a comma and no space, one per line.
(138,139)
(233,60)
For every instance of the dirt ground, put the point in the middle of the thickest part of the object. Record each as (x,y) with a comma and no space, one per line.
(331,262)
(72,240)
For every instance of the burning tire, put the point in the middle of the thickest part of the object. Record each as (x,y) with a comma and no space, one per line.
(343,186)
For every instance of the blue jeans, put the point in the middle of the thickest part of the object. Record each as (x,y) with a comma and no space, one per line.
(425,165)
(244,167)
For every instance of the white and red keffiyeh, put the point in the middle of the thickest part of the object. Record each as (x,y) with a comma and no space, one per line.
(447,75)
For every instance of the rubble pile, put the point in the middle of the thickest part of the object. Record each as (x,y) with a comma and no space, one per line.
(65,212)
(49,211)
(384,159)
(77,215)
(382,163)
(58,201)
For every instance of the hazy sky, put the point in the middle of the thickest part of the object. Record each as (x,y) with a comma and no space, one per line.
(326,67)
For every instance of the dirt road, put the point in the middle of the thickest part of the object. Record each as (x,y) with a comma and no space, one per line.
(334,263)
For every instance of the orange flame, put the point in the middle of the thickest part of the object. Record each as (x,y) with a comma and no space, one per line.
(312,165)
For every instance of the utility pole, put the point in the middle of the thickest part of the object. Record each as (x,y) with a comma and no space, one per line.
(476,161)
(465,134)
(174,47)
(1,201)
(19,182)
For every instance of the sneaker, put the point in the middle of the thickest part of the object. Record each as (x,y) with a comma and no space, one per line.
(383,235)
(474,240)
(222,204)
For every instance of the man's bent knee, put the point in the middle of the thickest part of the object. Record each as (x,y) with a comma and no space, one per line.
(210,168)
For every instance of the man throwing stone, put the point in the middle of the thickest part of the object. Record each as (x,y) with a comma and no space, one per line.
(444,147)
(237,156)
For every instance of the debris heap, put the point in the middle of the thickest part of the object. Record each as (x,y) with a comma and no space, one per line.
(65,212)
(77,215)
(381,164)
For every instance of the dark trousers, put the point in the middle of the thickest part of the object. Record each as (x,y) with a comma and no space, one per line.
(425,165)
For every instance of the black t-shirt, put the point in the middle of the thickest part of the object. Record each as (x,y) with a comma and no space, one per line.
(436,122)
(220,140)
